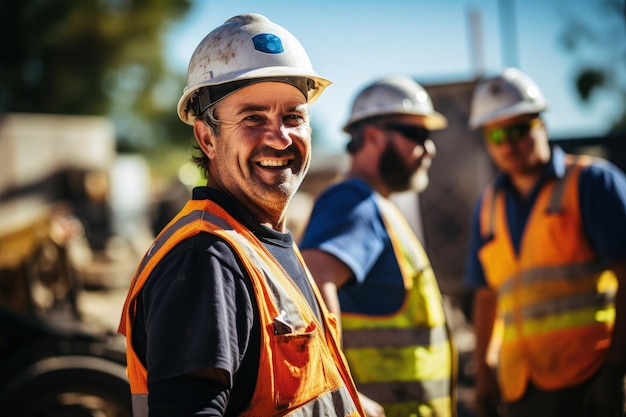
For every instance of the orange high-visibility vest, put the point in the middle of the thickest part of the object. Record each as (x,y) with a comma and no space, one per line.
(406,361)
(555,300)
(301,368)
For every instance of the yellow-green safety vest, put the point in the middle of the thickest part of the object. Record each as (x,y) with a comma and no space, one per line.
(405,361)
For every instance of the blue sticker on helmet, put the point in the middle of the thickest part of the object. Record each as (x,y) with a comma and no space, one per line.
(268,43)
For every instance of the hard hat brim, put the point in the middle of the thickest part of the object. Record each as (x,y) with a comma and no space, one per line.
(518,109)
(432,121)
(320,83)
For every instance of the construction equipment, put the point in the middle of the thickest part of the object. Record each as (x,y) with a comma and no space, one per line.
(51,362)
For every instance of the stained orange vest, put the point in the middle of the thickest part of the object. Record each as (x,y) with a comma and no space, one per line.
(555,301)
(301,367)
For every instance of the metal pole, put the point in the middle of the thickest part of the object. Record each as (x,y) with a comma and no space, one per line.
(508,30)
(477,55)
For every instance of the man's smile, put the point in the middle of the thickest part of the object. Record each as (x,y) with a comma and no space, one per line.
(274,163)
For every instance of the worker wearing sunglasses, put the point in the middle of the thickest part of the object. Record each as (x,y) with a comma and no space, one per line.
(518,144)
(547,262)
(511,132)
(415,133)
(370,265)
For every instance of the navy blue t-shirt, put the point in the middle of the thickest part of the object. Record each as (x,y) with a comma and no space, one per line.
(198,310)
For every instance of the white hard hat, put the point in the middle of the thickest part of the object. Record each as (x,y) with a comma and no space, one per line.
(509,94)
(395,95)
(248,48)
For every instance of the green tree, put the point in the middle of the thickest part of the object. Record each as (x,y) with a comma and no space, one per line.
(96,57)
(598,44)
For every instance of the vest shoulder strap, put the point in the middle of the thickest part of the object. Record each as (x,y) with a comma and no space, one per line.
(489,197)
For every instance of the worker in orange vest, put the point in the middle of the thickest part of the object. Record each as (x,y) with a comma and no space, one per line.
(547,257)
(222,316)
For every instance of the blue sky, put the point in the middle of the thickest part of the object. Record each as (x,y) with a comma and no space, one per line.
(353,42)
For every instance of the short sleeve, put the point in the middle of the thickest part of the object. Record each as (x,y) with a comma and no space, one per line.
(602,191)
(345,223)
(473,273)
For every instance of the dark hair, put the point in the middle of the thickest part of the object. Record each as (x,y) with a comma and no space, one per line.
(356,138)
(209,118)
(355,130)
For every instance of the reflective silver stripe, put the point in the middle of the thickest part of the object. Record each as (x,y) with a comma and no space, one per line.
(395,337)
(279,294)
(335,403)
(140,405)
(398,391)
(553,273)
(281,298)
(559,305)
(167,233)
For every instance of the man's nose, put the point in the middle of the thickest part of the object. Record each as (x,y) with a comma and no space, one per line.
(278,137)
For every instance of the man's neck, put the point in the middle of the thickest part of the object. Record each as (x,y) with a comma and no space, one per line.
(523,183)
(373,181)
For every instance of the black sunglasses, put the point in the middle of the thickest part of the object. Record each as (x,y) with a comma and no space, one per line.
(414,133)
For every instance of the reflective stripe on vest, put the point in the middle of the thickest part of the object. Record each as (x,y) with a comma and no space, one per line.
(405,361)
(140,405)
(397,392)
(540,314)
(396,337)
(334,401)
(289,360)
(553,295)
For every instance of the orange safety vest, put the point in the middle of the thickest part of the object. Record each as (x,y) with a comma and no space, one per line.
(301,366)
(555,300)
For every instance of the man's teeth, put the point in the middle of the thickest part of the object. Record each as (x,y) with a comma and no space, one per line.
(272,163)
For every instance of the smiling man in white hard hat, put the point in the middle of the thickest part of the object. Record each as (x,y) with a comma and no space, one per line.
(370,266)
(547,258)
(222,318)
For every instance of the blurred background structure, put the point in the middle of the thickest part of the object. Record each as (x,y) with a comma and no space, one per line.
(94,161)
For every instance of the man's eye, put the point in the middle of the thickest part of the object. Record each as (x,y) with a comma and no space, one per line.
(294,119)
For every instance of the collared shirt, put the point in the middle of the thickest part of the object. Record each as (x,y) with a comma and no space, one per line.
(602,190)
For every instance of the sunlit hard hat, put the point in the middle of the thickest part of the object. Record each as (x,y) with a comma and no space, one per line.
(396,95)
(509,94)
(245,49)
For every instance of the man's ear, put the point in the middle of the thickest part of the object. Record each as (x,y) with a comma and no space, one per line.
(374,136)
(205,138)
